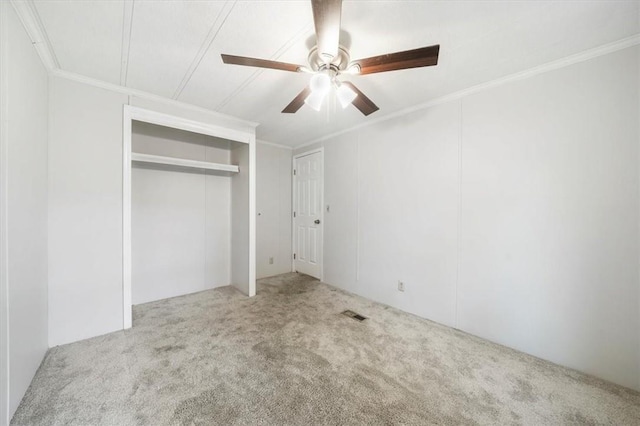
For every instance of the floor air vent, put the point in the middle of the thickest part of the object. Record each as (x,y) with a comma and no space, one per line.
(354,315)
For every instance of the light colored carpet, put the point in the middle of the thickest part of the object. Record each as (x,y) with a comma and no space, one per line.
(288,357)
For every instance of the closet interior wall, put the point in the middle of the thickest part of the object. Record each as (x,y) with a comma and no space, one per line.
(181,217)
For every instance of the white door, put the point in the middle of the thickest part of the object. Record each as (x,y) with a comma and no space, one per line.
(307,214)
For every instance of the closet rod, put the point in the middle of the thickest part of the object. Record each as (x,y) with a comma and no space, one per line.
(158,159)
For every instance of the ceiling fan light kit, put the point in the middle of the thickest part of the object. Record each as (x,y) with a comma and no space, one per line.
(320,82)
(314,100)
(328,60)
(345,94)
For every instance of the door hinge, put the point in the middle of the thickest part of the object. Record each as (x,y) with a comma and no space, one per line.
(294,256)
(294,172)
(294,214)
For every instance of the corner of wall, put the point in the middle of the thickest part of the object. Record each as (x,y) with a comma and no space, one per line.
(24,221)
(4,307)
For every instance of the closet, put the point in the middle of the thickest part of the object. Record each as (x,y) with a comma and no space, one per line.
(189,224)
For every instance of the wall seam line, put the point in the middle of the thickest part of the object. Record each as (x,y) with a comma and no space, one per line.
(205,221)
(638,212)
(459,219)
(358,207)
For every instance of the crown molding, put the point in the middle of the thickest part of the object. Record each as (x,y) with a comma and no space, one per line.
(145,95)
(276,145)
(541,69)
(26,11)
(31,20)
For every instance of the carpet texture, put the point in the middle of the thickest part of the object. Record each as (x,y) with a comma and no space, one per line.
(288,357)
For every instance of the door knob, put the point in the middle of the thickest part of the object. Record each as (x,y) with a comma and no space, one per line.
(317,221)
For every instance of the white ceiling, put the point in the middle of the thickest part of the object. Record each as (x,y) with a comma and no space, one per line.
(172,49)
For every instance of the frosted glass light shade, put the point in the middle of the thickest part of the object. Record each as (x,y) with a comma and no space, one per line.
(345,95)
(314,100)
(320,83)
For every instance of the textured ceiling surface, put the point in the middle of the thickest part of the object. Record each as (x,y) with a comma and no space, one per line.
(172,48)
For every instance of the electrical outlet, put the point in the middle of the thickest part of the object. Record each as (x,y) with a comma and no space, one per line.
(400,286)
(271,261)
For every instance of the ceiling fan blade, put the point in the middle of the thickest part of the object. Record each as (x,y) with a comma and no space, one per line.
(422,57)
(326,17)
(297,102)
(260,63)
(364,104)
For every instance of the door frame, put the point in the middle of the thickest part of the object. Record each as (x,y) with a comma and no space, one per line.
(294,199)
(133,113)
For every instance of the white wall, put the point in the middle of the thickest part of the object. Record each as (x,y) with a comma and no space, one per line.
(85,211)
(85,204)
(549,222)
(511,214)
(273,199)
(180,217)
(23,161)
(240,218)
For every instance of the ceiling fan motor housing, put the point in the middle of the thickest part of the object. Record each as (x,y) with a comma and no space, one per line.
(339,63)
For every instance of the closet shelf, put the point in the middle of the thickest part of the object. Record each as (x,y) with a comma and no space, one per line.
(158,159)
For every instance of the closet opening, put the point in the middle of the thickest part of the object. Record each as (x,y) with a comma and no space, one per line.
(188,208)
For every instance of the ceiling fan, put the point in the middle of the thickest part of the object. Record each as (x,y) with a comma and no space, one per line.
(328,60)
